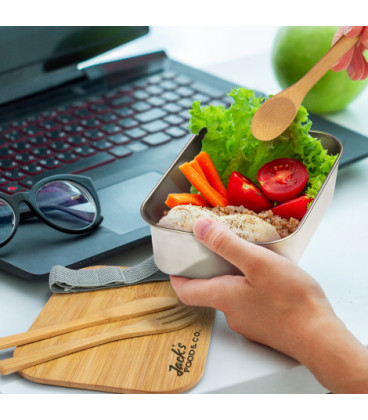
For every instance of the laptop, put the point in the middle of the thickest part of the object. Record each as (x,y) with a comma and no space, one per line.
(121,123)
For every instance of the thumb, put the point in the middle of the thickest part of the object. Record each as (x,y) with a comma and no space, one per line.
(221,240)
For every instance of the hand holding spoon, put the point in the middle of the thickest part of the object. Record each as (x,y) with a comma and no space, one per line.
(278,112)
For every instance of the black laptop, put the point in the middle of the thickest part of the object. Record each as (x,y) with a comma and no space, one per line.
(121,123)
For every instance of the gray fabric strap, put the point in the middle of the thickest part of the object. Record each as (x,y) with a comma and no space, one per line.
(66,280)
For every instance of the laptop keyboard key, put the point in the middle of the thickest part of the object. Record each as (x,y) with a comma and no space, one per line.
(155,126)
(59,146)
(73,128)
(185,91)
(32,130)
(176,132)
(185,103)
(156,139)
(83,113)
(12,188)
(13,135)
(119,139)
(66,119)
(5,153)
(100,108)
(110,128)
(172,108)
(84,151)
(14,175)
(156,101)
(124,112)
(102,145)
(94,134)
(152,114)
(169,85)
(135,133)
(56,135)
(67,157)
(170,96)
(154,90)
(122,101)
(137,146)
(121,151)
(128,123)
(77,140)
(174,119)
(24,158)
(42,152)
(49,124)
(50,163)
(141,106)
(32,169)
(8,164)
(141,95)
(107,118)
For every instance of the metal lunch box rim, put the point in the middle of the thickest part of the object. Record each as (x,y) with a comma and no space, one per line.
(303,221)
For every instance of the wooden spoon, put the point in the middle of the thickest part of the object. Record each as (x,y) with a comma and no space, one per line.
(278,112)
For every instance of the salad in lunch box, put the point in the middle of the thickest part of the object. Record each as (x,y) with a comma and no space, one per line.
(261,190)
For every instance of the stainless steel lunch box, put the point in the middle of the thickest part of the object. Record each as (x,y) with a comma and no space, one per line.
(180,253)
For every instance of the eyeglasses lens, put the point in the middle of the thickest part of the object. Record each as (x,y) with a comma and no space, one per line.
(7,220)
(66,204)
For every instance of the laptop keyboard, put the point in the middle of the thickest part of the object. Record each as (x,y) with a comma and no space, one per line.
(100,129)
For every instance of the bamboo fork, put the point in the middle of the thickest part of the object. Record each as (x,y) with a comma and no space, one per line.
(166,321)
(128,310)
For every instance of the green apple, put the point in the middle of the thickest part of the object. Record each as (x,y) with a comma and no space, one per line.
(296,50)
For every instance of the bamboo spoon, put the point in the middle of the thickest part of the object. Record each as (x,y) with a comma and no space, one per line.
(127,310)
(278,112)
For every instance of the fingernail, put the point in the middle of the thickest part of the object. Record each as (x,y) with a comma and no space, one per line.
(347,29)
(201,228)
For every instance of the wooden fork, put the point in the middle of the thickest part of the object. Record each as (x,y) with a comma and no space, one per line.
(126,310)
(161,322)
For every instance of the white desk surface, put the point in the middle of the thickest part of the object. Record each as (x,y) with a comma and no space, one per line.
(335,257)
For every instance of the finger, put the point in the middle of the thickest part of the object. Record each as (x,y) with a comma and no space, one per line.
(364,38)
(356,67)
(214,293)
(352,31)
(243,254)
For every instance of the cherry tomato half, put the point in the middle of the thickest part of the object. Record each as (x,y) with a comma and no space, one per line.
(297,207)
(282,179)
(242,192)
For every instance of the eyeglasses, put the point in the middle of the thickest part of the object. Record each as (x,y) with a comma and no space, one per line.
(68,203)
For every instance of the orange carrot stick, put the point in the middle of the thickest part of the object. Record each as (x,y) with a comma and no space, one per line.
(185,198)
(210,172)
(203,186)
(195,165)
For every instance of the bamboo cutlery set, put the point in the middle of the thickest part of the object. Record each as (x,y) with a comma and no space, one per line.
(165,314)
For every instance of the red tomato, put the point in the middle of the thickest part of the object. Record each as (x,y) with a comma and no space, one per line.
(282,179)
(242,192)
(297,207)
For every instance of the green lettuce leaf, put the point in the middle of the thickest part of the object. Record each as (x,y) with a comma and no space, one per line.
(232,147)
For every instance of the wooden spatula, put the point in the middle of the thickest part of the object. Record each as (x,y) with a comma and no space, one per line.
(278,112)
(162,322)
(127,310)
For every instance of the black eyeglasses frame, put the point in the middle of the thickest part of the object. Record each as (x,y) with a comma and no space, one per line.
(29,198)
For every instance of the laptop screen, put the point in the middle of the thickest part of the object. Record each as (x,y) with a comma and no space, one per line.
(59,46)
